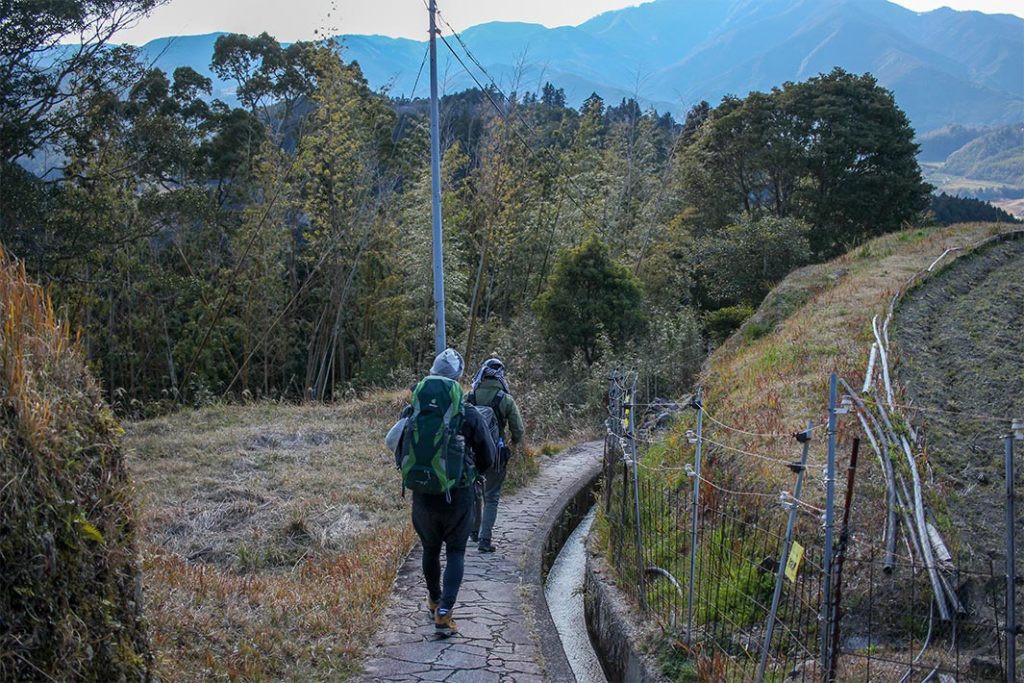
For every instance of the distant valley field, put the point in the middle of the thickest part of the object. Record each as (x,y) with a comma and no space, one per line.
(986,163)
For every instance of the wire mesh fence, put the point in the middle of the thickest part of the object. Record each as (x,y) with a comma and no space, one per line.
(739,583)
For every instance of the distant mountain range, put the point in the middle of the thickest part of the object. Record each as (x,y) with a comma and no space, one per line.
(944,66)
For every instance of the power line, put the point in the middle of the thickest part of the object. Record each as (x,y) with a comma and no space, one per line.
(740,451)
(512,108)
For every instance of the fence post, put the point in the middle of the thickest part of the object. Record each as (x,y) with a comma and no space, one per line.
(631,407)
(805,439)
(844,537)
(698,403)
(830,493)
(1012,628)
(611,441)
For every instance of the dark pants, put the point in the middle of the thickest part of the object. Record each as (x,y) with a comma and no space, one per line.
(488,511)
(436,523)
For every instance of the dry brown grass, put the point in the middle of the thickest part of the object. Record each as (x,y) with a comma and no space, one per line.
(272,535)
(772,375)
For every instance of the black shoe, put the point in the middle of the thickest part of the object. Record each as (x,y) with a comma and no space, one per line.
(486,546)
(474,537)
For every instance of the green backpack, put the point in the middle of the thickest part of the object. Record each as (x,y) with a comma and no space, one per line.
(433,448)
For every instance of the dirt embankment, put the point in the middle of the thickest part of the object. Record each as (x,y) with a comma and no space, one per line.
(960,338)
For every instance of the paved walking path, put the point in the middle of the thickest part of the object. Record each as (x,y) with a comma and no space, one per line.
(497,641)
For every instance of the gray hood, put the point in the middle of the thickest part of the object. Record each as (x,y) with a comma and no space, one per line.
(448,364)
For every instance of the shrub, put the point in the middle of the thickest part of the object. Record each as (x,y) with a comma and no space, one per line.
(588,295)
(70,590)
(723,322)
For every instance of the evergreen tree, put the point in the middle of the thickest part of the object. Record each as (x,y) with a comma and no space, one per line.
(590,296)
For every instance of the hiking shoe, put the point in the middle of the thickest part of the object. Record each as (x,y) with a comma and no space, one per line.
(486,546)
(431,606)
(444,624)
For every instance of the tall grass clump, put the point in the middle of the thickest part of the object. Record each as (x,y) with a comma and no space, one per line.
(70,583)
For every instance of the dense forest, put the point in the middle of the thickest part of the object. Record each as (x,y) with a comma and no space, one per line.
(282,248)
(949,209)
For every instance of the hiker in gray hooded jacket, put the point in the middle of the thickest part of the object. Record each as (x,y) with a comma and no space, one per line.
(446,520)
(490,388)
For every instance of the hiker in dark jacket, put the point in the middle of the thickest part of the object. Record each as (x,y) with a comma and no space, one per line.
(490,388)
(447,518)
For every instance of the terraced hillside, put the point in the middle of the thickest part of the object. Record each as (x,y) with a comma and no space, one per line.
(960,336)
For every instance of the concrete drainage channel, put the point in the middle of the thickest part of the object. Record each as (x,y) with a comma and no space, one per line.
(564,592)
(597,639)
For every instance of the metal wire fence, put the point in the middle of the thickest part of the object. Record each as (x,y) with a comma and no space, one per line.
(741,587)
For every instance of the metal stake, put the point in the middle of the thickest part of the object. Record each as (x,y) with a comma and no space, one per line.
(699,405)
(1012,628)
(631,402)
(805,438)
(830,494)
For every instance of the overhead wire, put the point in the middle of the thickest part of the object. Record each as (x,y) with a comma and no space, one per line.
(511,107)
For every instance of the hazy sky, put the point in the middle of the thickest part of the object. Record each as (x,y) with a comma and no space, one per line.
(298,19)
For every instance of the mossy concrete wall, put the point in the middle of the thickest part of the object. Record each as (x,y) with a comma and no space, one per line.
(615,632)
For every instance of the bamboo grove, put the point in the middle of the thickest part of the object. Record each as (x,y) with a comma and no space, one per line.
(281,247)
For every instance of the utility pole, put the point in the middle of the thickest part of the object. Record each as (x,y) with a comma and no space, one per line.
(435,188)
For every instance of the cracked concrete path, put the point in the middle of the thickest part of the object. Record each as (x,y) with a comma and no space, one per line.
(498,641)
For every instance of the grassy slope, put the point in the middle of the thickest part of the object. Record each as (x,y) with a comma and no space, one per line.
(271,536)
(772,376)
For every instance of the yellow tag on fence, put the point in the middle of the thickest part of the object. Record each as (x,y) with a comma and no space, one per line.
(796,556)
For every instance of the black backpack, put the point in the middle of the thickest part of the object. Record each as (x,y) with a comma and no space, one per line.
(495,422)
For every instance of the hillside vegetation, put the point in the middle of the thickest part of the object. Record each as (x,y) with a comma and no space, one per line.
(982,163)
(281,249)
(772,375)
(997,156)
(71,583)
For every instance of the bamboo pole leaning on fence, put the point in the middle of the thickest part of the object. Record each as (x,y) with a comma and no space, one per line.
(830,494)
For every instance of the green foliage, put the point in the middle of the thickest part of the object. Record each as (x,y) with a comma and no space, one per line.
(834,151)
(949,209)
(769,249)
(723,322)
(937,145)
(590,295)
(675,664)
(283,248)
(70,602)
(43,72)
(995,156)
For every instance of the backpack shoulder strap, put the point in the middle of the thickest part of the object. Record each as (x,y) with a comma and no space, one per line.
(496,401)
